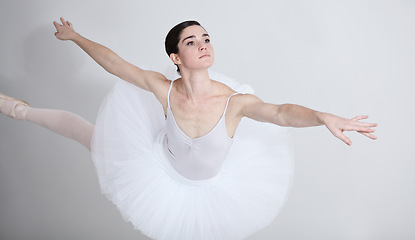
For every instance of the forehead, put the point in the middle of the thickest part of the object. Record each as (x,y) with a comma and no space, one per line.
(195,30)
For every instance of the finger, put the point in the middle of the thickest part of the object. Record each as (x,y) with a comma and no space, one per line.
(368,124)
(345,139)
(363,129)
(69,24)
(371,136)
(63,21)
(57,25)
(357,118)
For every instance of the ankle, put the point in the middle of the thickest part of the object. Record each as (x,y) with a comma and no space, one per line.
(21,112)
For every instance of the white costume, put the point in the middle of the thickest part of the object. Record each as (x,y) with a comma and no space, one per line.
(170,186)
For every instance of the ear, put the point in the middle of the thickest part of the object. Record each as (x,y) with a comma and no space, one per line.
(175,58)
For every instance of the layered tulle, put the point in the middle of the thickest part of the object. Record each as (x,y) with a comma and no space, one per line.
(136,176)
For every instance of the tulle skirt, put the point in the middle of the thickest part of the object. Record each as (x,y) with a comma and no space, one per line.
(136,176)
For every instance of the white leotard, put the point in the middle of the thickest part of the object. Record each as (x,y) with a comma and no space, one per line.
(196,158)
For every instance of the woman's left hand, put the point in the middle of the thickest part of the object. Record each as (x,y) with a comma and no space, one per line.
(337,125)
(65,30)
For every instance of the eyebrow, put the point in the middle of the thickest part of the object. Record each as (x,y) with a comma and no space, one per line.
(193,36)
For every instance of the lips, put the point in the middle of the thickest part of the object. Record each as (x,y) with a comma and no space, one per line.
(204,55)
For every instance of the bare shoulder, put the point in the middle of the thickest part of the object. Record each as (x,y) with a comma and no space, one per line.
(240,104)
(223,88)
(156,80)
(246,99)
(159,85)
(242,98)
(238,101)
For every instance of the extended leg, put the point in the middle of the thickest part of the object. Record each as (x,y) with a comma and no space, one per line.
(61,122)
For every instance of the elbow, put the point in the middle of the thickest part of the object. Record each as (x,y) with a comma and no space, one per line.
(112,65)
(280,116)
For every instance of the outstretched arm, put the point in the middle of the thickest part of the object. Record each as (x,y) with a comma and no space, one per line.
(298,116)
(109,60)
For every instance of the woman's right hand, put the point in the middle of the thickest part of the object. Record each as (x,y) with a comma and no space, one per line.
(65,30)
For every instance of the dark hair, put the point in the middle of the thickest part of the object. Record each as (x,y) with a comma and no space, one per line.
(173,37)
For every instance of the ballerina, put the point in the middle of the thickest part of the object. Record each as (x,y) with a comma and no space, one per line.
(186,158)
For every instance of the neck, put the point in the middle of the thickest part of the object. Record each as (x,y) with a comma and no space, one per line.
(196,84)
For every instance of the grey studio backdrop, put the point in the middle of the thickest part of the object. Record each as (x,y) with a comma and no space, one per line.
(343,57)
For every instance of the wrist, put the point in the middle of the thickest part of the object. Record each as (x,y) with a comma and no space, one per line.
(322,117)
(76,37)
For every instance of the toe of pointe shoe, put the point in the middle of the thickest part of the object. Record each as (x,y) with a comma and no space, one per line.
(15,102)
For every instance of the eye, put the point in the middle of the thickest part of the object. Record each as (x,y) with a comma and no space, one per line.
(190,43)
(207,40)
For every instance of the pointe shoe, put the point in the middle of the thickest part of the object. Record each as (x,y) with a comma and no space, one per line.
(16,102)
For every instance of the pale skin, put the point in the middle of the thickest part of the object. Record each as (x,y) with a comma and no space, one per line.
(197,102)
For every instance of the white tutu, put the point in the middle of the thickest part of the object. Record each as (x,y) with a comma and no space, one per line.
(136,176)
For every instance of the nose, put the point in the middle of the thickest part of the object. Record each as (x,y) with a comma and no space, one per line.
(202,46)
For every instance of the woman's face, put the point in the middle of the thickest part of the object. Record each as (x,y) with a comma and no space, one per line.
(195,50)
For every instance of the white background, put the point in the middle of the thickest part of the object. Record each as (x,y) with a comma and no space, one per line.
(344,57)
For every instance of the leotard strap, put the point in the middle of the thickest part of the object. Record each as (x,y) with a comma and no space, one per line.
(227,103)
(168,94)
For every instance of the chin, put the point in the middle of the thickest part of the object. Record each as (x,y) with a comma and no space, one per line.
(210,64)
